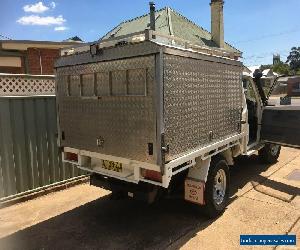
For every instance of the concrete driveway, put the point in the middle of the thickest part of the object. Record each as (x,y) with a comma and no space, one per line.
(264,200)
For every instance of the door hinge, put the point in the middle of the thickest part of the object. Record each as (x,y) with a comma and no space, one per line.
(164,150)
(164,147)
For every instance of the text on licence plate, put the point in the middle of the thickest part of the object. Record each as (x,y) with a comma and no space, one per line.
(111,165)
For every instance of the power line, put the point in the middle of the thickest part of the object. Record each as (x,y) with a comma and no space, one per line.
(269,35)
(266,54)
(264,58)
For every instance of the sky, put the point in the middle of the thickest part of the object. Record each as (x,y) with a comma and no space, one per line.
(259,28)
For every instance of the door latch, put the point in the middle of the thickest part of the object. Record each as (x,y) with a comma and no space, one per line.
(100,141)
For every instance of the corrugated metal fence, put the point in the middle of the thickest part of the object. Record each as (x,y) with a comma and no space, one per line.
(29,156)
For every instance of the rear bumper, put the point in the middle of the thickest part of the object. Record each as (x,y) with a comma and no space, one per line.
(92,162)
(142,191)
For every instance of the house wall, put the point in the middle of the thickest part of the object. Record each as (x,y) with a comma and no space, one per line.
(41,61)
(28,62)
(294,86)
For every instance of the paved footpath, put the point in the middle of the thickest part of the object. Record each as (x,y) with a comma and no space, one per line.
(264,200)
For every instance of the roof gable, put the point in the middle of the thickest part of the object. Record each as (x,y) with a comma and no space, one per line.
(169,22)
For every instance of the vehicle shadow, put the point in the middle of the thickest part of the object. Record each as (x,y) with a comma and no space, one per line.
(125,224)
(245,170)
(110,224)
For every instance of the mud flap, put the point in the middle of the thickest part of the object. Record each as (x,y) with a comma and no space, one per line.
(194,191)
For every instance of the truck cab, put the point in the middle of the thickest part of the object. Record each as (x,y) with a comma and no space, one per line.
(273,113)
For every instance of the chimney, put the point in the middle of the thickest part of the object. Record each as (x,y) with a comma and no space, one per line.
(217,22)
(152,15)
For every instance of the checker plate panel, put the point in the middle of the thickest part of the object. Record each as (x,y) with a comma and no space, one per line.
(199,96)
(125,123)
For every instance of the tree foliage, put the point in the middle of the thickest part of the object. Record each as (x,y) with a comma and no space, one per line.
(294,59)
(281,68)
(265,66)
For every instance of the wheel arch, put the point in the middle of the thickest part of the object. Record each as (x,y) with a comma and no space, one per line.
(227,155)
(202,166)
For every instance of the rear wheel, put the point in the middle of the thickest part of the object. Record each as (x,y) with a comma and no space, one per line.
(269,153)
(216,194)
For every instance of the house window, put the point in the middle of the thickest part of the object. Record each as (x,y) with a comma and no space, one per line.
(296,87)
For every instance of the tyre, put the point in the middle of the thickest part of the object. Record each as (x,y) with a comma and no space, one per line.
(216,193)
(269,153)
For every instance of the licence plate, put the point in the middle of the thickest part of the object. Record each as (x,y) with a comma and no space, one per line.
(111,165)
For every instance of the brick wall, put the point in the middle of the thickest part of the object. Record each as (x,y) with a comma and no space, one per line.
(11,70)
(48,57)
(293,86)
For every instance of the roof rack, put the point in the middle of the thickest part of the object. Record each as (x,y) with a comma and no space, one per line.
(150,35)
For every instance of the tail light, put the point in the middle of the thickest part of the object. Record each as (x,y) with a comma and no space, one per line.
(71,156)
(151,175)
